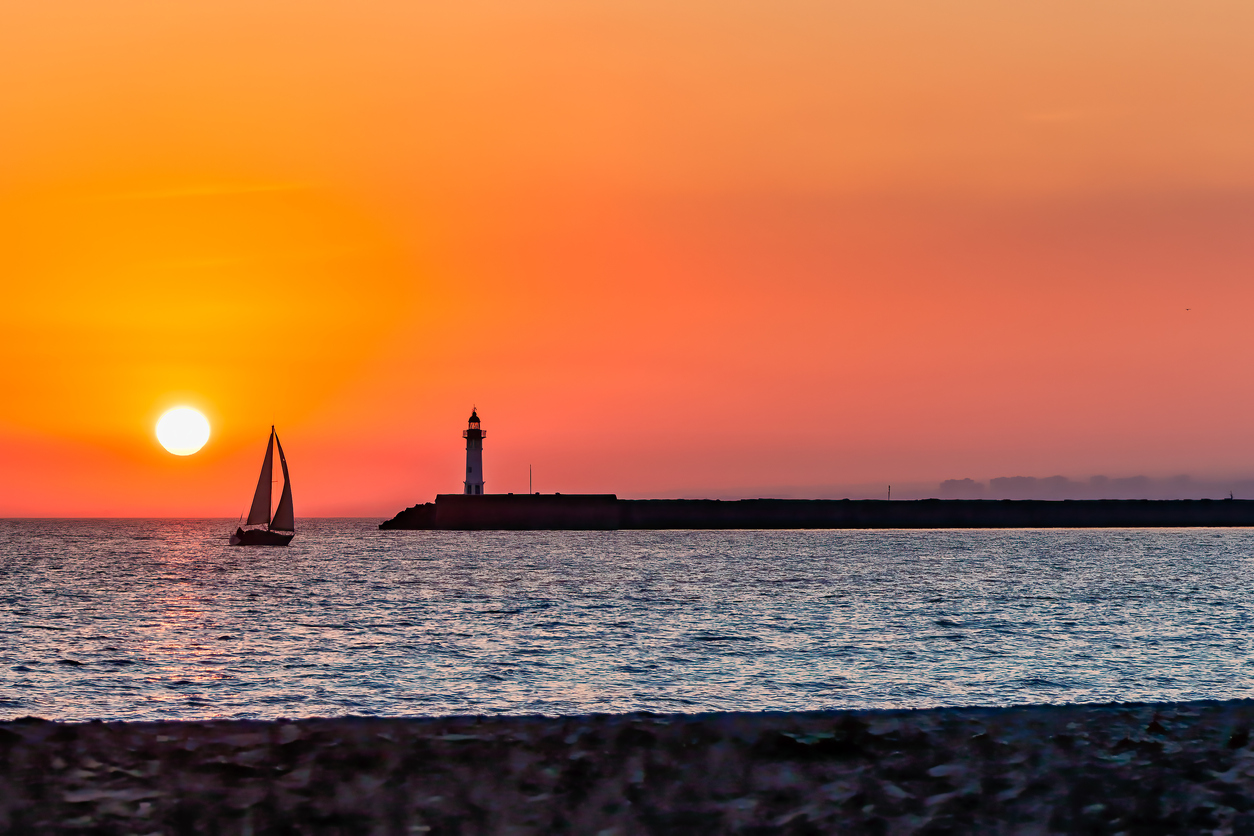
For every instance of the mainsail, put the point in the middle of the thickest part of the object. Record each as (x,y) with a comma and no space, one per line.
(284,519)
(259,514)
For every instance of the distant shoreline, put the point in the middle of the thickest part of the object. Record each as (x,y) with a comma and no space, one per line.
(606,512)
(1170,767)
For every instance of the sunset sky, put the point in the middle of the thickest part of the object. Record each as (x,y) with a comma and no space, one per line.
(666,248)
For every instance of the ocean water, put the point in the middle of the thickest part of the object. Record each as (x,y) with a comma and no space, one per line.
(154,619)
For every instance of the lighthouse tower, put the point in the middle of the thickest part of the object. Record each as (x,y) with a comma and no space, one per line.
(474,455)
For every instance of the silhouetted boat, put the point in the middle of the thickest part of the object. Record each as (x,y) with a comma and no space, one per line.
(280,529)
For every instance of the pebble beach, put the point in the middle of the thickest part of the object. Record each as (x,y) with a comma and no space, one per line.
(1102,769)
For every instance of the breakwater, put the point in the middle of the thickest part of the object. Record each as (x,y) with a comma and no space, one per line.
(1166,768)
(607,512)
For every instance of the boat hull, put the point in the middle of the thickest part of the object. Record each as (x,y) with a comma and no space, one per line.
(260,537)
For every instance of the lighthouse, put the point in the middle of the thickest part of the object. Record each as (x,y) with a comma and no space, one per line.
(474,455)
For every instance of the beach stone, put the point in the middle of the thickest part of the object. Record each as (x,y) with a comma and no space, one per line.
(1134,769)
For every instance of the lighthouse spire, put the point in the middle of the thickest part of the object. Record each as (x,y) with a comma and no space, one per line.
(474,436)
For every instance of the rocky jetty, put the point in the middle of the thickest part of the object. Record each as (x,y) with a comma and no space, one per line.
(1134,769)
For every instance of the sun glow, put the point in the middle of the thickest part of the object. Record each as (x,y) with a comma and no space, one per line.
(183,431)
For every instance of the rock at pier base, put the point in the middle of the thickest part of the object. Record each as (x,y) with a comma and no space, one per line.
(1169,768)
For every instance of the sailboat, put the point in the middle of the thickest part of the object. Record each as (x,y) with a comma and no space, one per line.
(281,528)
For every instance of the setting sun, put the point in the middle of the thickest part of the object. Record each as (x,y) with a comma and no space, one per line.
(183,431)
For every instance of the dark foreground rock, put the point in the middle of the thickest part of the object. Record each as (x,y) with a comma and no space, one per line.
(1153,769)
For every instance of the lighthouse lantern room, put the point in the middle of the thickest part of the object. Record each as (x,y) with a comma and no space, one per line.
(474,455)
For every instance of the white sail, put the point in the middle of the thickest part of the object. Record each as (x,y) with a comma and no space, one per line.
(260,512)
(284,516)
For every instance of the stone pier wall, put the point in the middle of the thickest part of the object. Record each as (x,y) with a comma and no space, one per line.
(578,512)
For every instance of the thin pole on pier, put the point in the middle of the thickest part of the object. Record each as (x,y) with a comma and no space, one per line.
(528,478)
(890,493)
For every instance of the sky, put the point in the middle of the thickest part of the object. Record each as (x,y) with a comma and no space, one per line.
(665,248)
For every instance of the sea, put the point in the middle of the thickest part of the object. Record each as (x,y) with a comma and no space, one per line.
(161,619)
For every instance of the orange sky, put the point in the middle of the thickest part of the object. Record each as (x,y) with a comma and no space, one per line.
(700,248)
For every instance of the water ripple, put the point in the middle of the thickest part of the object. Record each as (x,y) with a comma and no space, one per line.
(131,619)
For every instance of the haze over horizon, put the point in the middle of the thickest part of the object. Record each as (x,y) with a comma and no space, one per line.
(662,247)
